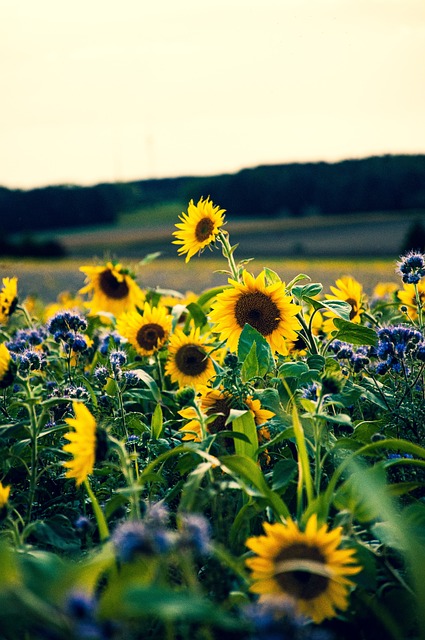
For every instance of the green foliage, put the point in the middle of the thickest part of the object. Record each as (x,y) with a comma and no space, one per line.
(144,532)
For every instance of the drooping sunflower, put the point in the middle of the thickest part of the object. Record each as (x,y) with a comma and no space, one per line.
(348,289)
(148,332)
(198,228)
(220,401)
(8,298)
(308,569)
(83,443)
(189,363)
(113,289)
(7,367)
(408,297)
(267,308)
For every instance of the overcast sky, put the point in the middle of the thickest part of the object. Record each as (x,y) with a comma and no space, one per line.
(101,90)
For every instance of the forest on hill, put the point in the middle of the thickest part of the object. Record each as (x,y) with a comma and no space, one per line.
(381,183)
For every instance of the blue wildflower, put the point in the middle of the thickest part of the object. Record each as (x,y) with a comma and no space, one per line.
(131,378)
(117,358)
(411,267)
(106,340)
(136,538)
(101,374)
(195,533)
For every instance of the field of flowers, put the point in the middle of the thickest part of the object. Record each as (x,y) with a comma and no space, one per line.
(244,463)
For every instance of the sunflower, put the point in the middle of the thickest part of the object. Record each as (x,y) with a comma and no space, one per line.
(384,289)
(219,401)
(267,308)
(198,228)
(408,297)
(7,367)
(65,300)
(8,298)
(349,290)
(4,496)
(188,361)
(304,568)
(148,332)
(82,443)
(4,499)
(114,289)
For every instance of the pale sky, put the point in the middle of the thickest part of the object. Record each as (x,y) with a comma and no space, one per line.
(101,90)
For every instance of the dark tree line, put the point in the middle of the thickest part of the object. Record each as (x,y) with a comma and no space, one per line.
(384,183)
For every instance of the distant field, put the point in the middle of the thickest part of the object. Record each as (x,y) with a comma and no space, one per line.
(47,278)
(365,246)
(372,235)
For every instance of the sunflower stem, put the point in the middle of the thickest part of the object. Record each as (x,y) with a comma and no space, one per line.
(99,515)
(34,445)
(227,252)
(308,333)
(22,307)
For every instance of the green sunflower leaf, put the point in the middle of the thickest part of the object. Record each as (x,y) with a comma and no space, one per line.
(340,308)
(157,423)
(197,314)
(264,353)
(355,333)
(245,424)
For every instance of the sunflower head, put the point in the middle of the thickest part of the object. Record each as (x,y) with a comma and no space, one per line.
(198,228)
(267,308)
(8,298)
(148,332)
(189,363)
(308,569)
(348,289)
(113,289)
(408,297)
(7,367)
(84,444)
(4,499)
(219,403)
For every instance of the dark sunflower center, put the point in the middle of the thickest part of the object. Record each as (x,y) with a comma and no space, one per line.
(204,229)
(9,306)
(354,309)
(301,584)
(111,287)
(191,360)
(258,310)
(149,335)
(219,424)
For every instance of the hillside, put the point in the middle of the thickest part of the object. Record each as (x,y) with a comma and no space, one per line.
(298,190)
(369,235)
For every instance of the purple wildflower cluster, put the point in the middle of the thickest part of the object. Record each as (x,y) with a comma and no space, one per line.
(396,345)
(25,339)
(411,267)
(152,535)
(68,327)
(358,358)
